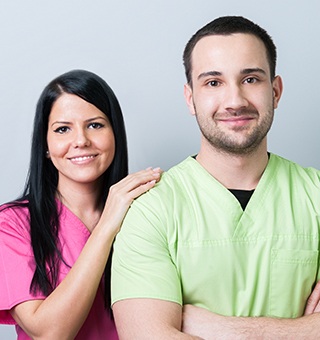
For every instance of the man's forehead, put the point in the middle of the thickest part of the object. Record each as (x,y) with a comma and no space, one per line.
(222,40)
(226,50)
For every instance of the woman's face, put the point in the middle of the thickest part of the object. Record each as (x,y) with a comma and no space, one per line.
(80,141)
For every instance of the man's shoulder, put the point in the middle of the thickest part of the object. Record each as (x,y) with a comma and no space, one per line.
(294,169)
(182,168)
(176,175)
(284,161)
(172,182)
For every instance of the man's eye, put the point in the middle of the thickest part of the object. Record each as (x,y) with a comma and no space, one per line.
(213,83)
(61,129)
(251,80)
(95,126)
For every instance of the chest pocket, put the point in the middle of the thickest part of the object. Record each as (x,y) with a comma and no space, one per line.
(293,273)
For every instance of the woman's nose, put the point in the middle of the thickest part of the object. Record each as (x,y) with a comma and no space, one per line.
(81,139)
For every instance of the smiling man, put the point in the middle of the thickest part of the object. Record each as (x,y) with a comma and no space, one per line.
(227,244)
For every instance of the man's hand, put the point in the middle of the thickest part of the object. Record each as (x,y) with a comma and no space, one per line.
(203,323)
(313,303)
(207,325)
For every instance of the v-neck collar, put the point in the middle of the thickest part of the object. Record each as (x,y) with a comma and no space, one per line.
(73,220)
(229,202)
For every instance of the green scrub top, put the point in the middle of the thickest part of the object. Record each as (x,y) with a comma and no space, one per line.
(189,241)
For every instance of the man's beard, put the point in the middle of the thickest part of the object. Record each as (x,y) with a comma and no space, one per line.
(230,144)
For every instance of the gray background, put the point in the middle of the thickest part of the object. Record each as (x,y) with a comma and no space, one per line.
(136,46)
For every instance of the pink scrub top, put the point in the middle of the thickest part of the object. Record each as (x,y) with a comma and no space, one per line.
(17,267)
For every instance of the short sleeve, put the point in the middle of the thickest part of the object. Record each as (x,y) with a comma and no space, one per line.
(142,266)
(16,261)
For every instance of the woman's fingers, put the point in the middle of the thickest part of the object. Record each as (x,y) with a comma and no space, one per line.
(135,184)
(122,194)
(141,189)
(134,180)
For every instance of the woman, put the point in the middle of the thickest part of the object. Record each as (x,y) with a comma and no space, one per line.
(55,241)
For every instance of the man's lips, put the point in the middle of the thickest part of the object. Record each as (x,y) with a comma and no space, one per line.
(235,120)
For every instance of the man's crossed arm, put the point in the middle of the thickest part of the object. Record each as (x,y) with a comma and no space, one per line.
(159,319)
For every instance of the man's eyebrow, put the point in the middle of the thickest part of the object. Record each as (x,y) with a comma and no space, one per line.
(253,70)
(208,74)
(244,71)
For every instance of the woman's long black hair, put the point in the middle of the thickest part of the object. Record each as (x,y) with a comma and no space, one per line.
(41,185)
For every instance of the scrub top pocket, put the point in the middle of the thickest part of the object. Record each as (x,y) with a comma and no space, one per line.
(291,269)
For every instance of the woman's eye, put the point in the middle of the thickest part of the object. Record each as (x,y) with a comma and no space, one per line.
(61,129)
(95,125)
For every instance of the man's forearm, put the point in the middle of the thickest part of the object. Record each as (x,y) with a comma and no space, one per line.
(306,327)
(208,325)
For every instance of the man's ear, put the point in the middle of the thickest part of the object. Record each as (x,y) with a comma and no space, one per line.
(187,91)
(277,90)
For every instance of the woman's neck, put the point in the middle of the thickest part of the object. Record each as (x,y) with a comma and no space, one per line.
(84,201)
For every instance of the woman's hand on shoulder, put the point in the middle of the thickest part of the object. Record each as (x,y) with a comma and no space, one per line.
(122,194)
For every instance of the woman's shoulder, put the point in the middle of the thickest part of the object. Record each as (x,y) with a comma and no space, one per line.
(14,215)
(14,207)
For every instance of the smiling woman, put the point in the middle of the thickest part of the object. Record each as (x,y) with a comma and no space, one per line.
(55,240)
(80,139)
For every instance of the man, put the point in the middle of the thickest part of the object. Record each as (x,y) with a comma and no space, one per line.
(232,233)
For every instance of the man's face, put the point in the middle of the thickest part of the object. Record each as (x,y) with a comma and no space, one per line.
(232,95)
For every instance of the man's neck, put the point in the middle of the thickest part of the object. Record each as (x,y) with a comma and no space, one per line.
(241,172)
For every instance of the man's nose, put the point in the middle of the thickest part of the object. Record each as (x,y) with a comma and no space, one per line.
(234,98)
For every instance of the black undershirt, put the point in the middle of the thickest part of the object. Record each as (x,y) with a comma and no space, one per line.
(243,196)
